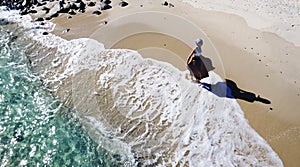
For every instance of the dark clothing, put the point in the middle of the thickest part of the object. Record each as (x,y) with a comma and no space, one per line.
(197,68)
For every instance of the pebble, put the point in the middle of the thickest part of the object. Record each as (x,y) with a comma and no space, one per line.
(32,11)
(107,2)
(39,19)
(71,12)
(54,15)
(3,22)
(123,3)
(171,5)
(76,1)
(46,9)
(41,4)
(74,6)
(105,7)
(19,138)
(91,4)
(165,3)
(97,12)
(64,10)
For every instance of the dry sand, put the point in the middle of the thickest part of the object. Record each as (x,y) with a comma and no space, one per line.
(260,62)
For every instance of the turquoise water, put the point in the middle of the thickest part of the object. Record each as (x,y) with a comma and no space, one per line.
(35,128)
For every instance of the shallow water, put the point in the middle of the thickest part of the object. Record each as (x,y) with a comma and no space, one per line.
(35,128)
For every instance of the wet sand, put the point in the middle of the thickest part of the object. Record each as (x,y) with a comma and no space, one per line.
(259,62)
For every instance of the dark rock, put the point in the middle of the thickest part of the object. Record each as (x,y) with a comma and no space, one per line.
(41,4)
(76,1)
(46,9)
(82,7)
(71,12)
(91,4)
(32,11)
(54,15)
(19,138)
(34,2)
(61,4)
(117,157)
(107,2)
(69,17)
(63,10)
(45,33)
(97,12)
(39,19)
(24,12)
(123,3)
(48,18)
(4,22)
(68,5)
(165,3)
(105,7)
(13,38)
(82,11)
(74,6)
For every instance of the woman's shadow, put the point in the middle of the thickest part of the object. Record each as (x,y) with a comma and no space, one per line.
(200,66)
(230,89)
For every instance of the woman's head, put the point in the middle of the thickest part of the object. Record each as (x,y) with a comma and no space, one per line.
(199,42)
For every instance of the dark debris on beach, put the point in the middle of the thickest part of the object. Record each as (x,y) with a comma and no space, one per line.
(49,9)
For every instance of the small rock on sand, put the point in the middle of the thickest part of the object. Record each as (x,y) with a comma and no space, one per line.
(71,12)
(105,7)
(97,12)
(123,3)
(91,4)
(107,2)
(39,19)
(165,3)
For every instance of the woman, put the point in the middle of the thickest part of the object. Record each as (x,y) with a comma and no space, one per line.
(195,64)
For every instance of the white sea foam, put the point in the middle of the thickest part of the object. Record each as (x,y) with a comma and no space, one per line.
(146,110)
(281,17)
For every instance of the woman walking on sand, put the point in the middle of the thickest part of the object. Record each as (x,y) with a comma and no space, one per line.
(195,64)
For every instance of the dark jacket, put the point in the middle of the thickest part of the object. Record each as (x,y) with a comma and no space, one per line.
(197,68)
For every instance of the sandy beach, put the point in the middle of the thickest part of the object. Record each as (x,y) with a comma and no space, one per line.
(251,55)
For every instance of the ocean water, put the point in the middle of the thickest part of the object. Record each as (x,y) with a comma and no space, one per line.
(35,128)
(112,107)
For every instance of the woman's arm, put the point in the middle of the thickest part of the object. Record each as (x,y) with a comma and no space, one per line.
(188,60)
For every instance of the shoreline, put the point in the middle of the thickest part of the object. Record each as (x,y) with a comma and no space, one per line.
(277,123)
